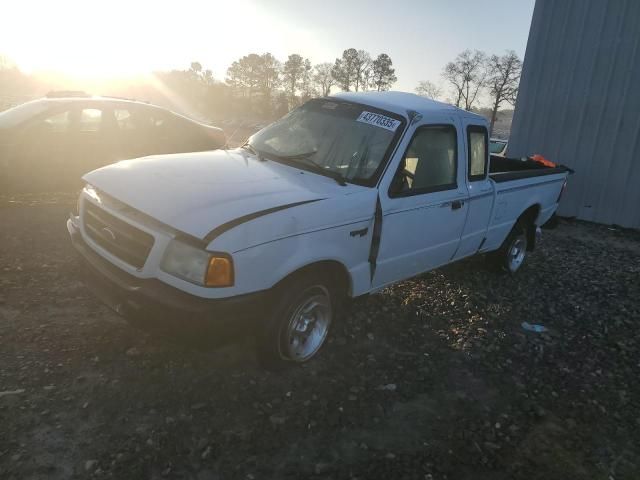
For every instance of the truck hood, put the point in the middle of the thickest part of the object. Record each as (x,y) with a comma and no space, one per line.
(198,192)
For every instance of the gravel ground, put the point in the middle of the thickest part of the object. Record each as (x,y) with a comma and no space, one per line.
(431,379)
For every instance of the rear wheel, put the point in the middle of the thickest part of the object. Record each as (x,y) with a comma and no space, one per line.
(300,322)
(511,255)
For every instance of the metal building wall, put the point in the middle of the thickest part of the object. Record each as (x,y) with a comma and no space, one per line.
(579,104)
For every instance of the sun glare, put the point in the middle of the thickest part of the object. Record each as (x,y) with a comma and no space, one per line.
(109,39)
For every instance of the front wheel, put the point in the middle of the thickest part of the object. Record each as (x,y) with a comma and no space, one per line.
(300,322)
(511,255)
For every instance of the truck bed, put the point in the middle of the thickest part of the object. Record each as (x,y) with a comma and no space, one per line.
(518,186)
(503,169)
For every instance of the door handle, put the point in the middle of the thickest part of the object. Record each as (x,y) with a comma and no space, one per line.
(456,204)
(359,233)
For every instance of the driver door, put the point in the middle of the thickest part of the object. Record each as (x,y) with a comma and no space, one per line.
(425,208)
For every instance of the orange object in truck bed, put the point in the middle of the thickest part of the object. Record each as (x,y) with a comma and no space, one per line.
(540,159)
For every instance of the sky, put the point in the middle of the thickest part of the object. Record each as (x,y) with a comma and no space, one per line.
(96,38)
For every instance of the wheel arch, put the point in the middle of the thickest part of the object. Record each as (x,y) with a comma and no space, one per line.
(336,269)
(528,218)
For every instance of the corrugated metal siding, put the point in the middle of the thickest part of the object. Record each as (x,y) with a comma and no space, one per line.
(579,103)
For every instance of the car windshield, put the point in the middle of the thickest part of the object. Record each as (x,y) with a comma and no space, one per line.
(343,138)
(16,115)
(496,147)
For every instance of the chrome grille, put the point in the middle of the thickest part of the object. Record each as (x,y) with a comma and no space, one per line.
(119,238)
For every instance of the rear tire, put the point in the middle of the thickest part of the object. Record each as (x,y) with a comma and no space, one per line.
(304,309)
(511,255)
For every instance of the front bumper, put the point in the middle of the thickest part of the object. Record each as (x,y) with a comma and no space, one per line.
(152,303)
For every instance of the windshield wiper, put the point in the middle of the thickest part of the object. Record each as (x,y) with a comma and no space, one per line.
(248,146)
(316,167)
(297,156)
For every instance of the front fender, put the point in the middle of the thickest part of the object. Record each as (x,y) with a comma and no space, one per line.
(261,267)
(269,248)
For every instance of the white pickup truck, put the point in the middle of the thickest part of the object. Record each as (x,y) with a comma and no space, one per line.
(341,197)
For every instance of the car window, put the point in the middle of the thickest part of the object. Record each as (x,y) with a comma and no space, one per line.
(496,147)
(148,119)
(478,153)
(124,119)
(58,123)
(430,162)
(90,120)
(157,120)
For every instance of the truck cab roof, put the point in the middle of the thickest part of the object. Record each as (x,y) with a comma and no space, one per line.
(403,102)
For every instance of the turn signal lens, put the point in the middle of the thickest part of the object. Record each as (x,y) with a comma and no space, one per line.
(219,272)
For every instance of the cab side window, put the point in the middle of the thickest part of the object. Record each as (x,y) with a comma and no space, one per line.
(429,164)
(478,146)
(90,120)
(57,123)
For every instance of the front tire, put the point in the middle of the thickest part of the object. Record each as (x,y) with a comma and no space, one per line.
(300,322)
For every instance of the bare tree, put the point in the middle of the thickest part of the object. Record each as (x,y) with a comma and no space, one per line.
(503,79)
(383,74)
(429,89)
(323,78)
(467,75)
(367,79)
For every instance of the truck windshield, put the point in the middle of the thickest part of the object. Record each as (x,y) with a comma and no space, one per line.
(345,139)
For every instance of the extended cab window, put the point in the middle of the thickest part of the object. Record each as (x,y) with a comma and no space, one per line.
(429,164)
(478,152)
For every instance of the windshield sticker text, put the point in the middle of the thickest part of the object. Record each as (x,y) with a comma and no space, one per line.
(378,120)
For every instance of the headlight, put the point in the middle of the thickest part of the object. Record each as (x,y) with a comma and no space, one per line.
(198,266)
(92,192)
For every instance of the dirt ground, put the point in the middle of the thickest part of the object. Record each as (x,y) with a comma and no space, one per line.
(434,378)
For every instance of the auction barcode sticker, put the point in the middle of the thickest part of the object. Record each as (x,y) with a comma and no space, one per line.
(378,120)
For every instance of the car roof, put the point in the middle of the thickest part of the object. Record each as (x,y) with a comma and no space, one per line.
(97,99)
(403,102)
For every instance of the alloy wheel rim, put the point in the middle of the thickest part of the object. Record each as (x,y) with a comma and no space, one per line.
(517,253)
(308,326)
